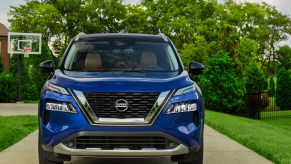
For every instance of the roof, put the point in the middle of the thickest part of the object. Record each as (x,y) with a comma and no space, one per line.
(3,30)
(123,36)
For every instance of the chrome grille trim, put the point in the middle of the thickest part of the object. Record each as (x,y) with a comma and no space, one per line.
(137,104)
(84,104)
(94,120)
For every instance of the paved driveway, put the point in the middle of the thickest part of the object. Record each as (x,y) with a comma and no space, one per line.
(219,149)
(12,109)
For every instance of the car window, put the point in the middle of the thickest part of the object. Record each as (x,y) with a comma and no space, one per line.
(121,56)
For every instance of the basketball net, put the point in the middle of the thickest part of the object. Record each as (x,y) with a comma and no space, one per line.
(26,52)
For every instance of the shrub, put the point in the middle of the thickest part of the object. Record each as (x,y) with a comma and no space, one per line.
(222,88)
(37,77)
(283,99)
(8,87)
(255,79)
(271,91)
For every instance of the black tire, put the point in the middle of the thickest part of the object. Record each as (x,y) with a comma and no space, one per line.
(199,159)
(43,155)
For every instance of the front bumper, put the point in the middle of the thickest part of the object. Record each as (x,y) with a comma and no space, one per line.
(141,148)
(121,152)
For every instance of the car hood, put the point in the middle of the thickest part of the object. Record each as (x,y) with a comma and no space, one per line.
(121,81)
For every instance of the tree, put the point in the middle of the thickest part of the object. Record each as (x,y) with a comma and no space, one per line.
(284,56)
(283,99)
(36,17)
(260,22)
(63,19)
(271,92)
(136,20)
(255,79)
(246,52)
(279,27)
(198,51)
(222,89)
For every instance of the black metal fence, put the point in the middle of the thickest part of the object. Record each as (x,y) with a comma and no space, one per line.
(265,106)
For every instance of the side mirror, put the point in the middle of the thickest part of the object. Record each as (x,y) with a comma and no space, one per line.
(47,66)
(195,68)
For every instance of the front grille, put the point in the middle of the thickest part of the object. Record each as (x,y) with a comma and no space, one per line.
(139,104)
(130,142)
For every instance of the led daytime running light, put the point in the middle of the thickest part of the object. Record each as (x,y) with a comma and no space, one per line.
(182,108)
(60,107)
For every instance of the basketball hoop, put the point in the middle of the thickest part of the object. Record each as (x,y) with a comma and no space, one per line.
(26,51)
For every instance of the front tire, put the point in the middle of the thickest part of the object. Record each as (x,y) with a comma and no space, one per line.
(199,159)
(199,155)
(43,156)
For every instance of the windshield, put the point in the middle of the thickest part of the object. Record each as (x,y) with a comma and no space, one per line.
(121,56)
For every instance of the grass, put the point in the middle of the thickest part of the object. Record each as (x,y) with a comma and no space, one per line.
(31,101)
(14,128)
(269,138)
(275,114)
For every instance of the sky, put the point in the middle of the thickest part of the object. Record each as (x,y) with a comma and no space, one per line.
(282,5)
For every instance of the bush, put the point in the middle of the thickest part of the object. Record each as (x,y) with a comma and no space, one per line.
(222,88)
(37,77)
(271,91)
(283,99)
(8,87)
(255,79)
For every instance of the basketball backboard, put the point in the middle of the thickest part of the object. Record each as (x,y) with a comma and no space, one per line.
(24,43)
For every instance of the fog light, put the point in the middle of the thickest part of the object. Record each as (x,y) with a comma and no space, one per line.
(60,107)
(182,107)
(71,144)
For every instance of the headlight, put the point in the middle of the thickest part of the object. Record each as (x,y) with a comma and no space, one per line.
(182,107)
(185,90)
(54,88)
(60,107)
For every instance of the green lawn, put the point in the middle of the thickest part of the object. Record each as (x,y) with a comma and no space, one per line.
(275,114)
(270,138)
(14,128)
(31,101)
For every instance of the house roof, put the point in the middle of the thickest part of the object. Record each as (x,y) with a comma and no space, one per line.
(3,30)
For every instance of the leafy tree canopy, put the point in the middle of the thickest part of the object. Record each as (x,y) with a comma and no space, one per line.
(284,56)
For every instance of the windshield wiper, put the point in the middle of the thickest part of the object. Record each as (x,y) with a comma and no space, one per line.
(131,70)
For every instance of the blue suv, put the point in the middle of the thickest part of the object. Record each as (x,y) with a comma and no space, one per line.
(121,95)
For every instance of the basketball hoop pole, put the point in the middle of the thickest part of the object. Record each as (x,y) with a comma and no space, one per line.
(19,72)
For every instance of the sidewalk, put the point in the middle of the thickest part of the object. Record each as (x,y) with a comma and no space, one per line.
(12,109)
(219,149)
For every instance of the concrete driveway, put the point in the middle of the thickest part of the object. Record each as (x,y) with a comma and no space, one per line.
(219,149)
(12,109)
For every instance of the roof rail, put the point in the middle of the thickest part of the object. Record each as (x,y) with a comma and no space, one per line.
(164,36)
(79,35)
